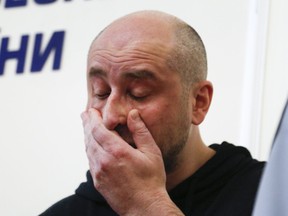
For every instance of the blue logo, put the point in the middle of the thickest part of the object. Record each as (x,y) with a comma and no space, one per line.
(22,3)
(40,52)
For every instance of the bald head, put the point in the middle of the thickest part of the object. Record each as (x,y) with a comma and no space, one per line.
(187,54)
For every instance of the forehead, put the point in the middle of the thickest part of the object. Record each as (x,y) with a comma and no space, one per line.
(133,42)
(136,58)
(134,29)
(136,50)
(126,54)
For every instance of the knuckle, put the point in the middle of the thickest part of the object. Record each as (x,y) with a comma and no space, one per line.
(98,175)
(94,130)
(118,152)
(104,166)
(140,128)
(142,131)
(97,185)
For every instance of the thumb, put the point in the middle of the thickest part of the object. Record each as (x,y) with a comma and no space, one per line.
(141,135)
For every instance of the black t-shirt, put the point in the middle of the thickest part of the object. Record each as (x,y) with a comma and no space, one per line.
(225,186)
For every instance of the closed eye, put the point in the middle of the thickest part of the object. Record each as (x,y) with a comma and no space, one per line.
(102,96)
(138,97)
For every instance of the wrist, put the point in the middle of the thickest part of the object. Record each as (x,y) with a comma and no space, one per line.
(158,204)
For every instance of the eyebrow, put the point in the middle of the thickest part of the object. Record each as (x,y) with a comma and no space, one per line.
(94,72)
(141,74)
(137,74)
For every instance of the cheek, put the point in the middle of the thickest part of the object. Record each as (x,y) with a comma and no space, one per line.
(154,117)
(96,104)
(161,116)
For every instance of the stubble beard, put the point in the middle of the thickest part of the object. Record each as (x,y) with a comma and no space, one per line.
(173,143)
(171,153)
(170,147)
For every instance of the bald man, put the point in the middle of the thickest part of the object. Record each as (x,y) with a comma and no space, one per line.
(147,95)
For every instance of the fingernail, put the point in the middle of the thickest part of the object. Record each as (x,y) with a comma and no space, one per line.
(135,115)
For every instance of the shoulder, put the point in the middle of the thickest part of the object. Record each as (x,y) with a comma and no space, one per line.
(244,172)
(75,205)
(65,206)
(238,194)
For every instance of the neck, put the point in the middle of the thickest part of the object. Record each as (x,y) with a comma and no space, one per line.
(193,156)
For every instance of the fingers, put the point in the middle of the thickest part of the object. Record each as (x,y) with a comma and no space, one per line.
(109,141)
(95,129)
(141,135)
(91,146)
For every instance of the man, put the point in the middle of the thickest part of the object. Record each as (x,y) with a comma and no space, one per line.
(147,94)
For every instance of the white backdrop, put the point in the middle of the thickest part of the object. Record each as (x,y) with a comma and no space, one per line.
(42,157)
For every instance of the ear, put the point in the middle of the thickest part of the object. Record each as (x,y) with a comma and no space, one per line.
(201,99)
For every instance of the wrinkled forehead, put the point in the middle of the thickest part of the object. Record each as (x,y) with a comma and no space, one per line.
(135,49)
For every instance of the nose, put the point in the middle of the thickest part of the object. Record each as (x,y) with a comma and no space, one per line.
(115,112)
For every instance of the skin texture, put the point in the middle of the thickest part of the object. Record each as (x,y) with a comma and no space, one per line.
(141,122)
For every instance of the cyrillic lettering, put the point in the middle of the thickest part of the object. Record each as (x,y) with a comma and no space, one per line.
(19,55)
(44,1)
(15,3)
(55,44)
